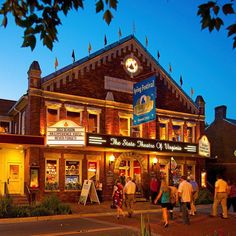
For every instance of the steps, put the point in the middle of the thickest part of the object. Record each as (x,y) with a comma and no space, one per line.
(20,200)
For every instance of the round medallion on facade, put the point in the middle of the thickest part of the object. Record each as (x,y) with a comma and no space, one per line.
(131,65)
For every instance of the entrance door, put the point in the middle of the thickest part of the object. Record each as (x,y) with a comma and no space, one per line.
(14,178)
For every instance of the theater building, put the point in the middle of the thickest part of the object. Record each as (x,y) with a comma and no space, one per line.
(84,115)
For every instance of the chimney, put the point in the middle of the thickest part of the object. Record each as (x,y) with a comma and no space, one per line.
(34,75)
(220,112)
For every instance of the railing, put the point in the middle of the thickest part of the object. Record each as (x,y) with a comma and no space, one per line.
(28,193)
(6,191)
(210,187)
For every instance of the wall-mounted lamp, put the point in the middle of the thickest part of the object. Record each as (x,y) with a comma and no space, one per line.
(154,162)
(111,159)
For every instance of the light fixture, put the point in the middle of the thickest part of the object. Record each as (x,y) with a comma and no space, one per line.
(111,159)
(154,162)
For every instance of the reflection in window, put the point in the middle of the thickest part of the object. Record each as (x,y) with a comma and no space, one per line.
(92,170)
(124,126)
(72,175)
(4,127)
(177,133)
(93,123)
(163,131)
(51,175)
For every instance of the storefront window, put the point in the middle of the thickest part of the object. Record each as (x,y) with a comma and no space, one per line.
(190,171)
(92,170)
(93,123)
(124,126)
(72,175)
(177,133)
(163,131)
(176,174)
(51,175)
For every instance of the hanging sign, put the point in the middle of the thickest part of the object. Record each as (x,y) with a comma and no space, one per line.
(204,147)
(88,189)
(65,132)
(144,101)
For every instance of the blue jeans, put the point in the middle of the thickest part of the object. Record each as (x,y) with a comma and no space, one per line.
(184,207)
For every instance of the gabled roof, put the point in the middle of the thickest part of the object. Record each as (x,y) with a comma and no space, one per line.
(5,106)
(154,64)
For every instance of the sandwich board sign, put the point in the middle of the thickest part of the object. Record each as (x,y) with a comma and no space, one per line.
(88,189)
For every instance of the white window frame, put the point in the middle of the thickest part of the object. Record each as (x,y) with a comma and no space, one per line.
(76,109)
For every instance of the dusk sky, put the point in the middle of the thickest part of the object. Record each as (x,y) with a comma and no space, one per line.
(205,60)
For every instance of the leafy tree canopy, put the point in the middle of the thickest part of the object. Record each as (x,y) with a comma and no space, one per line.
(42,17)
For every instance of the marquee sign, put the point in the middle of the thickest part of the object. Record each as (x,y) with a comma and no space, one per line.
(139,144)
(65,132)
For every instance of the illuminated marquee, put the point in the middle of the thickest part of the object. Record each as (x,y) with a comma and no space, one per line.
(204,147)
(65,132)
(140,144)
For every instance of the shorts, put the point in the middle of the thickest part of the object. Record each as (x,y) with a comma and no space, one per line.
(165,205)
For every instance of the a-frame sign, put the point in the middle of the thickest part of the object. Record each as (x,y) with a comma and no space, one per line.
(88,190)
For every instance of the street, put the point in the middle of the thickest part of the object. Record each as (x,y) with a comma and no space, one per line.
(100,224)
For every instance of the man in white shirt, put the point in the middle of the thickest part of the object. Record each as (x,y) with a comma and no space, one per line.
(185,191)
(129,195)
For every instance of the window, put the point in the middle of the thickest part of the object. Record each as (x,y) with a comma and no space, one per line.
(93,170)
(190,171)
(74,113)
(177,133)
(93,123)
(52,116)
(93,120)
(4,127)
(74,116)
(51,175)
(190,132)
(163,131)
(72,175)
(124,124)
(23,123)
(136,131)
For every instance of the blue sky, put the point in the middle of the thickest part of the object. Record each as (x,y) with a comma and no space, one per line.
(205,60)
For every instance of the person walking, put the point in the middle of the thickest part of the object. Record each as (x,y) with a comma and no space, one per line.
(232,196)
(117,197)
(129,195)
(174,198)
(185,191)
(153,188)
(164,195)
(195,195)
(220,197)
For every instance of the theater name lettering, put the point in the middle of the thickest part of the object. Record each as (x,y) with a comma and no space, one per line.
(141,144)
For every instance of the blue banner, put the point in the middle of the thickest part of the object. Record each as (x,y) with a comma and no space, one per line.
(144,101)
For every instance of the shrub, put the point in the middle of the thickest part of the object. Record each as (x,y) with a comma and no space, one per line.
(204,196)
(41,211)
(5,206)
(19,211)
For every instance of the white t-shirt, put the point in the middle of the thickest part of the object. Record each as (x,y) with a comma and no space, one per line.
(185,189)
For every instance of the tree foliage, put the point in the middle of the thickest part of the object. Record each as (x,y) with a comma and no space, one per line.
(41,17)
(213,15)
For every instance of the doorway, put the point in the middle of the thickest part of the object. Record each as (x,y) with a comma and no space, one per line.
(14,174)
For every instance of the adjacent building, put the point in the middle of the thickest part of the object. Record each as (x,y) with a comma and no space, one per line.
(222,136)
(84,115)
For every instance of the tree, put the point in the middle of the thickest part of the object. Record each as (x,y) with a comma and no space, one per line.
(42,17)
(213,15)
